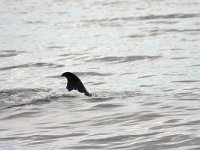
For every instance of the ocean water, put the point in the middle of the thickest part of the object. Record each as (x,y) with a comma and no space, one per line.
(139,58)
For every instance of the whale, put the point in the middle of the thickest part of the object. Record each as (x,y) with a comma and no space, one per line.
(74,83)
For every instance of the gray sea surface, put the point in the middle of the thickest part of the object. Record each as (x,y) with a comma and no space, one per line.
(139,58)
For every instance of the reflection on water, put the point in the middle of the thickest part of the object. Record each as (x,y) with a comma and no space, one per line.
(139,59)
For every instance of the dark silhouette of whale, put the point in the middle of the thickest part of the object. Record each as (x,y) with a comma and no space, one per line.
(74,83)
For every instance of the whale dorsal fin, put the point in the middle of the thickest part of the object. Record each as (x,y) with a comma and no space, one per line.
(74,83)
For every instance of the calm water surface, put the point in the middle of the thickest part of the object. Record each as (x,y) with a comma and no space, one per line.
(139,58)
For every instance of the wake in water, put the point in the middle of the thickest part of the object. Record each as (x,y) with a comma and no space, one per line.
(37,96)
(21,97)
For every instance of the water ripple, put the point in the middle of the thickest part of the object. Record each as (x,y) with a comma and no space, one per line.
(10,53)
(117,59)
(32,65)
(148,17)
